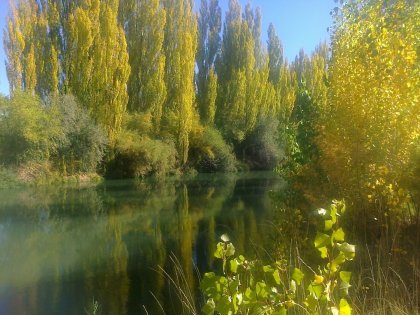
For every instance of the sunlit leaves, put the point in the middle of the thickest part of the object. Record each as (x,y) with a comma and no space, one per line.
(297,275)
(252,287)
(322,240)
(372,117)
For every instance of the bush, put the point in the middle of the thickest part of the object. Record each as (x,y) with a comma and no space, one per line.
(84,142)
(210,153)
(8,179)
(261,150)
(139,156)
(253,287)
(29,131)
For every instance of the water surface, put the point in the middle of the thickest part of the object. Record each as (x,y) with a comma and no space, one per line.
(63,248)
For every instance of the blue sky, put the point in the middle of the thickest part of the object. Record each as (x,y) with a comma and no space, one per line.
(299,23)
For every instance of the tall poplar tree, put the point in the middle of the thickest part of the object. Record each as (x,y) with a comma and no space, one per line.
(209,27)
(180,46)
(19,45)
(244,92)
(275,54)
(98,67)
(144,22)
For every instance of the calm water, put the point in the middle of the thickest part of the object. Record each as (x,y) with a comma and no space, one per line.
(60,249)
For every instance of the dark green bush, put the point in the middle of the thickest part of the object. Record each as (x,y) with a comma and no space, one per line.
(210,153)
(261,149)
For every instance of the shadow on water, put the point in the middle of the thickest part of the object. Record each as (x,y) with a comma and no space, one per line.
(61,249)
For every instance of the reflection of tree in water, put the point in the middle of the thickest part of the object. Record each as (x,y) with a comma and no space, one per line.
(106,243)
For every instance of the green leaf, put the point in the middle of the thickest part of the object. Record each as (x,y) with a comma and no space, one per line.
(233,285)
(343,207)
(338,235)
(348,250)
(209,307)
(328,224)
(297,275)
(261,290)
(333,212)
(345,276)
(337,261)
(268,268)
(223,306)
(276,276)
(316,290)
(219,250)
(345,308)
(311,302)
(249,296)
(234,265)
(230,250)
(322,240)
(324,252)
(208,280)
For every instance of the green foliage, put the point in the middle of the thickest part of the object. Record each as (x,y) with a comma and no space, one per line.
(58,132)
(8,178)
(180,45)
(144,25)
(210,153)
(29,131)
(137,155)
(84,142)
(209,27)
(261,149)
(305,116)
(252,287)
(372,126)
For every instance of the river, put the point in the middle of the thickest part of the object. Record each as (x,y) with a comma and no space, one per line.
(65,250)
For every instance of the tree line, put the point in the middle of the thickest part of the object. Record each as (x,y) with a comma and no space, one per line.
(167,87)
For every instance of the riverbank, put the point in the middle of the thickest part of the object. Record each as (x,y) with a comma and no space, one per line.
(36,174)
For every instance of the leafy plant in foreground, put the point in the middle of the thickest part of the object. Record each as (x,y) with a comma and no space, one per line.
(251,287)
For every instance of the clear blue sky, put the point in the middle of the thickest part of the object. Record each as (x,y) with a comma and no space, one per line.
(299,23)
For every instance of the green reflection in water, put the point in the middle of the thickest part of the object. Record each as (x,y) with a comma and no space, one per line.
(62,248)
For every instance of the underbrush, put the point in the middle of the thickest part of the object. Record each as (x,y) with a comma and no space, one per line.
(384,277)
(42,173)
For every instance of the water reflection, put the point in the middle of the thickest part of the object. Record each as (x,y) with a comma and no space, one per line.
(62,248)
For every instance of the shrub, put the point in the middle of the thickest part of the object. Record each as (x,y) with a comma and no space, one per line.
(261,149)
(139,156)
(210,153)
(84,142)
(8,179)
(252,287)
(29,131)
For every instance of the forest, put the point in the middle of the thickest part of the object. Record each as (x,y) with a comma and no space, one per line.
(121,89)
(133,88)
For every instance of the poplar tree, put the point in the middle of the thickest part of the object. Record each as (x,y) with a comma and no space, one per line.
(275,54)
(209,26)
(372,125)
(144,22)
(98,67)
(180,46)
(18,43)
(244,94)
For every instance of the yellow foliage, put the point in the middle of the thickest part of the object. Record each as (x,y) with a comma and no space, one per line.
(372,119)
